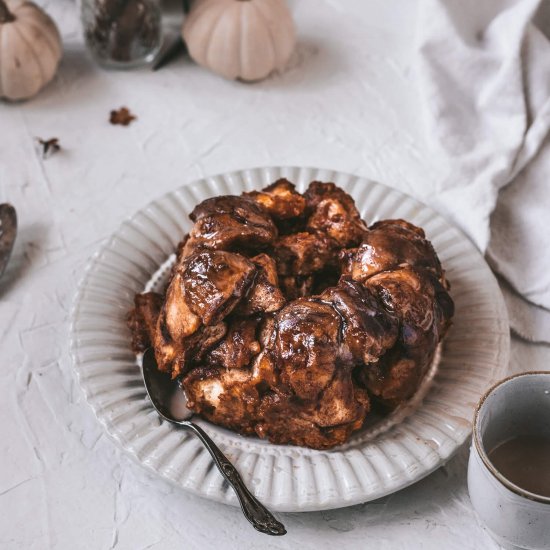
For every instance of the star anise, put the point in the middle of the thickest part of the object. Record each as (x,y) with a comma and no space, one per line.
(122,116)
(49,146)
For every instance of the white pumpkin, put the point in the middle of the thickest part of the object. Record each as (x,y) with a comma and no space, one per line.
(30,49)
(245,39)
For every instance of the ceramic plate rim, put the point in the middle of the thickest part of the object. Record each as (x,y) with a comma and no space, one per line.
(317,500)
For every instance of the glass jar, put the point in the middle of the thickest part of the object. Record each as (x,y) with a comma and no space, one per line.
(122,33)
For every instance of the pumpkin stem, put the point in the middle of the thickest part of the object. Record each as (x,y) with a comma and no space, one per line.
(6,16)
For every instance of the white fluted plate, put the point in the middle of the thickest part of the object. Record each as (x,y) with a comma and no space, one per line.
(378,460)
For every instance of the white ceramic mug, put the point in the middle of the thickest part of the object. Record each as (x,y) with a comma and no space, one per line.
(516,406)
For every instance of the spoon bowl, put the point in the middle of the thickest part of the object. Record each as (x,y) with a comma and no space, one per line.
(166,394)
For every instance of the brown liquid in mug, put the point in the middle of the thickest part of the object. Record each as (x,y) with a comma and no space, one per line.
(525,461)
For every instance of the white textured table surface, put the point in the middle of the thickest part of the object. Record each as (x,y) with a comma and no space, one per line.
(347,102)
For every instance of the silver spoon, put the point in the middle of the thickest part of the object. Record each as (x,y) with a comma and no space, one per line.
(8,231)
(171,404)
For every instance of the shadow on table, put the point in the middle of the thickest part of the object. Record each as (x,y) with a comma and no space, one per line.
(440,493)
(76,83)
(312,66)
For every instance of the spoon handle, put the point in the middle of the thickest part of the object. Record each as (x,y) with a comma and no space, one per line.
(255,512)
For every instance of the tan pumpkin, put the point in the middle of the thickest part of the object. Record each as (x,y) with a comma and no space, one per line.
(244,39)
(30,49)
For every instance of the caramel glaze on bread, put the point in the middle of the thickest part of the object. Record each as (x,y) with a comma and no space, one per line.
(288,318)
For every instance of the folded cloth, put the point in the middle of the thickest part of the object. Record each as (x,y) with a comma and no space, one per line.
(483,74)
(530,322)
(520,231)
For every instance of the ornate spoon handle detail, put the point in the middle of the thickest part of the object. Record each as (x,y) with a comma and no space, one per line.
(255,512)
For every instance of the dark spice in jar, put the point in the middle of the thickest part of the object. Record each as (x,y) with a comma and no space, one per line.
(122,30)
